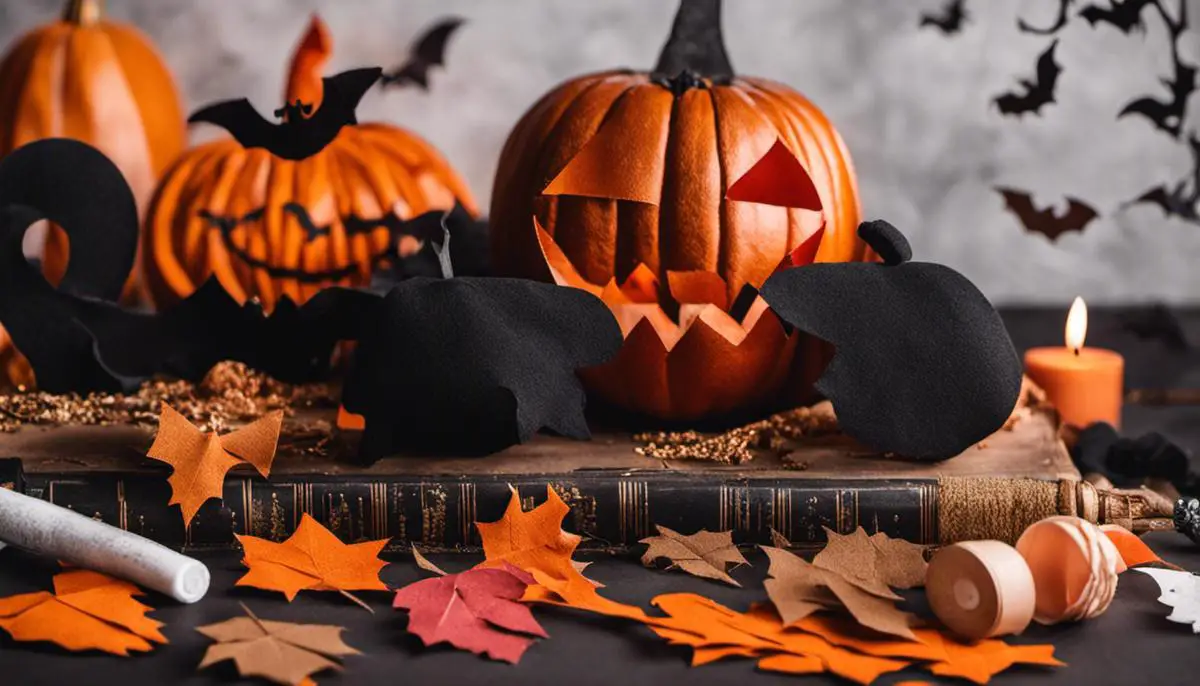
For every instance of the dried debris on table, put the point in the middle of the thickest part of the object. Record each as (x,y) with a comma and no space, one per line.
(738,445)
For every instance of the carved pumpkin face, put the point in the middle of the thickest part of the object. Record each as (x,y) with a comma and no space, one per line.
(628,172)
(269,227)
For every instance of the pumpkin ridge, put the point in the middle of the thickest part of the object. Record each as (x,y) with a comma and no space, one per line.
(723,227)
(14,75)
(190,241)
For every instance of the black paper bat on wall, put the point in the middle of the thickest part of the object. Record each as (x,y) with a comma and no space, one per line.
(302,133)
(1038,93)
(950,20)
(1064,9)
(1047,221)
(1167,115)
(428,52)
(1181,199)
(1124,15)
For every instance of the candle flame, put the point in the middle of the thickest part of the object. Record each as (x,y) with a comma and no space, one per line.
(1077,320)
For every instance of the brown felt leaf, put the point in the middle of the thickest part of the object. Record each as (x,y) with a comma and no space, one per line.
(704,553)
(779,540)
(281,652)
(87,611)
(798,589)
(201,460)
(874,559)
(425,564)
(312,559)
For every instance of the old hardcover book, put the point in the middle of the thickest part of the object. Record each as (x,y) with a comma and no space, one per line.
(616,495)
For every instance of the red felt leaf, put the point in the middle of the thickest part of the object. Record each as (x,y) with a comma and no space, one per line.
(475,610)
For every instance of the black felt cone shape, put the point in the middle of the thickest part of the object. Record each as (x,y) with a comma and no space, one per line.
(924,367)
(696,46)
(470,366)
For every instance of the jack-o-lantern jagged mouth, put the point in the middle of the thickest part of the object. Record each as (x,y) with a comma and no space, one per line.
(352,225)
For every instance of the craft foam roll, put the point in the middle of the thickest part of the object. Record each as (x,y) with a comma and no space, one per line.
(62,534)
(981,589)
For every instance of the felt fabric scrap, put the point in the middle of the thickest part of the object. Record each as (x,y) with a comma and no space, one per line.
(704,553)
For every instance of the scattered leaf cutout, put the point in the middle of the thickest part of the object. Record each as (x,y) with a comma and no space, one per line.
(87,611)
(531,540)
(779,540)
(1134,551)
(201,460)
(425,564)
(791,664)
(313,559)
(777,178)
(282,652)
(705,553)
(981,661)
(798,589)
(873,559)
(476,610)
(1180,592)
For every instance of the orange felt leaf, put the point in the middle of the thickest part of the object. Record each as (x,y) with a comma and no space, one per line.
(981,661)
(847,634)
(87,611)
(201,460)
(777,178)
(704,655)
(1133,550)
(610,165)
(791,664)
(533,541)
(313,559)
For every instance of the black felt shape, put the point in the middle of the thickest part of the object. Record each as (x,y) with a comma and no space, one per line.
(923,368)
(1090,452)
(949,21)
(298,136)
(1179,199)
(1127,462)
(1037,93)
(1123,15)
(1064,9)
(1047,221)
(470,366)
(695,48)
(429,51)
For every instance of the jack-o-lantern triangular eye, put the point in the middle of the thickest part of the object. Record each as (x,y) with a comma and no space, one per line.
(777,178)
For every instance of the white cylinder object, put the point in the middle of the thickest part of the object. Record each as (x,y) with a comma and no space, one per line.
(47,529)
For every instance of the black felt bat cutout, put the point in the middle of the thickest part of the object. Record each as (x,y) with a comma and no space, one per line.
(470,366)
(1124,15)
(1181,199)
(1064,8)
(78,339)
(923,367)
(300,134)
(950,20)
(429,51)
(1156,323)
(1038,93)
(312,230)
(1047,221)
(1167,115)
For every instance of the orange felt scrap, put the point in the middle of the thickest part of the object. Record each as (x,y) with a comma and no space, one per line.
(313,559)
(1133,550)
(791,664)
(979,662)
(201,460)
(707,362)
(87,611)
(777,178)
(533,541)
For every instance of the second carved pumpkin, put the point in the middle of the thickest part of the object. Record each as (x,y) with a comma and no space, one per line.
(627,173)
(268,227)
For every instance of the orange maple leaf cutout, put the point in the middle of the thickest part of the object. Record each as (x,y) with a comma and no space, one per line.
(531,540)
(201,459)
(87,611)
(313,559)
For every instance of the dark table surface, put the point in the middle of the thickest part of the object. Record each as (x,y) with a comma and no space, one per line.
(1131,644)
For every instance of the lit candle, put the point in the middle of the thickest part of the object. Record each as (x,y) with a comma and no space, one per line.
(1085,384)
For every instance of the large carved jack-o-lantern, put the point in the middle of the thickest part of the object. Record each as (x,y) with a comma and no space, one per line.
(627,175)
(269,227)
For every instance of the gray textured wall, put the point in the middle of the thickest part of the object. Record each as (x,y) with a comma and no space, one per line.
(913,106)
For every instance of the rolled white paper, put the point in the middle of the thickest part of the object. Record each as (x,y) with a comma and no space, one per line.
(63,534)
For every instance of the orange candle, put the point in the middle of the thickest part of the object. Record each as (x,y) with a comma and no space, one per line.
(1085,384)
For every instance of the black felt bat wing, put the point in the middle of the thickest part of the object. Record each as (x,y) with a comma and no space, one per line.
(1174,202)
(312,230)
(1124,15)
(950,20)
(1046,221)
(1038,93)
(1064,8)
(298,136)
(923,367)
(429,51)
(1167,115)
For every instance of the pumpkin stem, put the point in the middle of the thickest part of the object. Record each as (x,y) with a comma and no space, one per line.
(696,44)
(308,64)
(82,12)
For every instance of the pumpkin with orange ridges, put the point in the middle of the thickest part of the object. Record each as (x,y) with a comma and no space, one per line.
(269,227)
(101,82)
(618,182)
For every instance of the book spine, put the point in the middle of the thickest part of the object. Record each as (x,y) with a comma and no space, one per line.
(610,511)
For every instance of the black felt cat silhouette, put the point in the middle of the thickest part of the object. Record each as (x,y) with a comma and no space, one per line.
(428,52)
(1038,93)
(923,367)
(303,132)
